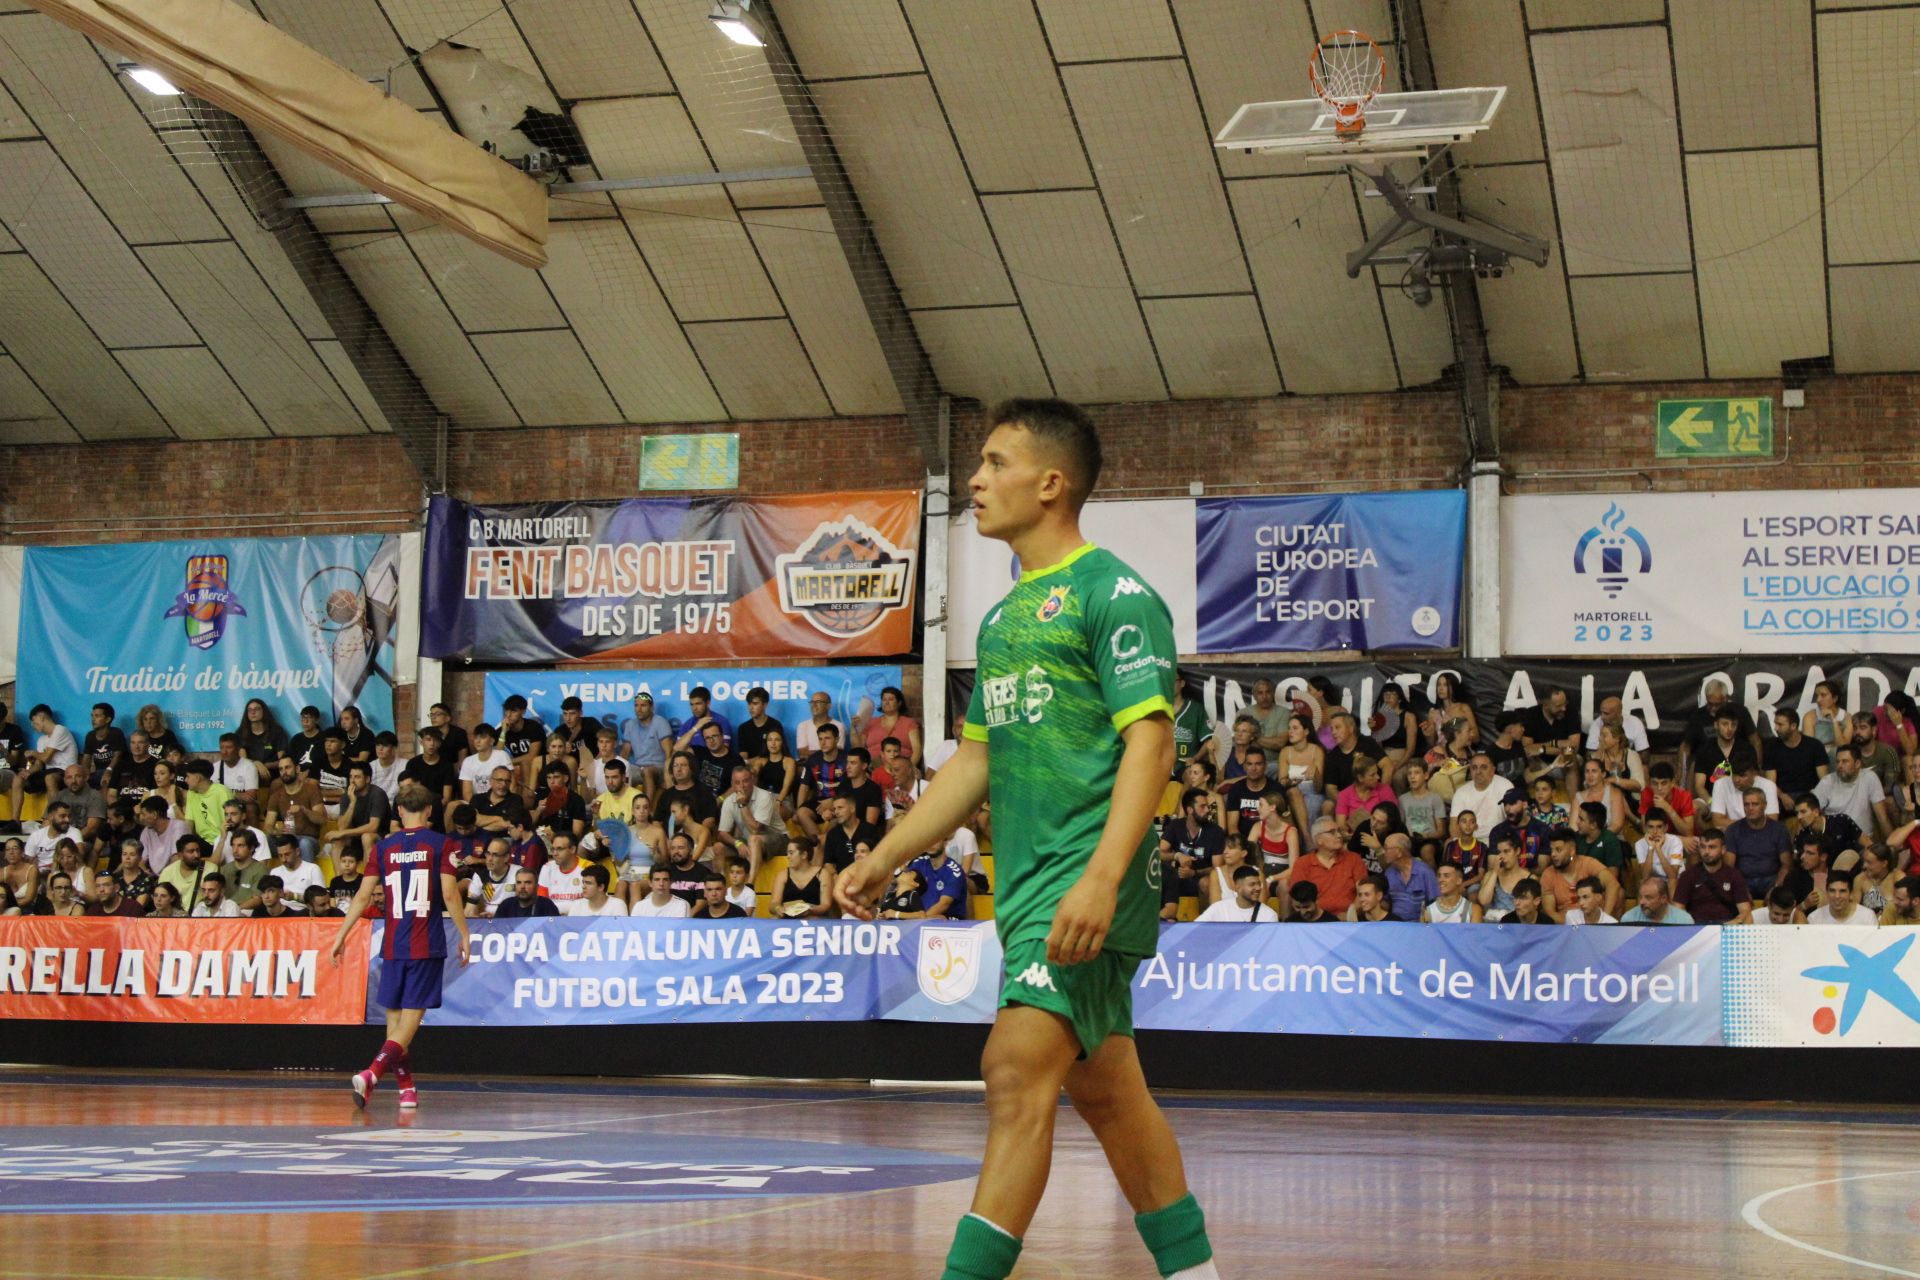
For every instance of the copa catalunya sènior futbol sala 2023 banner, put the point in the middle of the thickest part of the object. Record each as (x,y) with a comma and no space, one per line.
(198,627)
(672,579)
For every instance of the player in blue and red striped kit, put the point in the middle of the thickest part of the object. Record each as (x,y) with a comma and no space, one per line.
(416,869)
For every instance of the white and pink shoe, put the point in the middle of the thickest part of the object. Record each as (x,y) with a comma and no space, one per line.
(409,1098)
(363,1082)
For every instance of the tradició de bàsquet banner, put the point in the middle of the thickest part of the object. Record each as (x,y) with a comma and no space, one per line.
(111,969)
(672,579)
(1783,571)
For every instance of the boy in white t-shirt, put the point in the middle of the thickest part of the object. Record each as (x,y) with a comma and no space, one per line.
(739,892)
(563,877)
(1841,907)
(476,771)
(1245,907)
(1659,852)
(594,900)
(662,903)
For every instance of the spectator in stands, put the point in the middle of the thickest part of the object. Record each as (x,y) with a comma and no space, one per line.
(1807,877)
(1840,907)
(1897,720)
(848,829)
(780,773)
(1759,843)
(13,751)
(1349,745)
(606,750)
(892,721)
(1712,890)
(1269,716)
(660,902)
(134,779)
(1465,851)
(1507,748)
(594,899)
(1192,731)
(1329,867)
(476,771)
(494,806)
(234,822)
(388,767)
(68,860)
(261,738)
(234,771)
(1355,802)
(1716,700)
(1452,710)
(688,867)
(1827,722)
(1370,899)
(1659,852)
(1838,832)
(1905,907)
(527,902)
(1452,906)
(319,905)
(683,786)
(365,814)
(1301,766)
(1395,727)
(57,827)
(1729,794)
(1424,812)
(1371,838)
(135,880)
(1552,736)
(869,801)
(1614,712)
(1795,763)
(557,804)
(1527,907)
(166,785)
(750,825)
(1876,756)
(86,806)
(307,747)
(713,904)
(1873,886)
(1232,761)
(740,891)
(1598,839)
(1216,884)
(1529,834)
(1189,843)
(107,899)
(294,806)
(1566,867)
(455,743)
(901,788)
(166,903)
(60,899)
(491,883)
(53,750)
(355,734)
(331,771)
(121,826)
(1854,791)
(346,882)
(1411,883)
(296,874)
(212,902)
(275,904)
(1303,906)
(242,867)
(1483,794)
(1496,889)
(714,759)
(1273,835)
(1904,802)
(1655,906)
(1591,903)
(943,894)
(806,740)
(160,832)
(104,749)
(902,898)
(1713,758)
(582,730)
(1677,803)
(433,769)
(804,886)
(1244,905)
(1621,765)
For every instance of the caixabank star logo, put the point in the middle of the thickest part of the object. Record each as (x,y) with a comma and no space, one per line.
(845,578)
(1862,976)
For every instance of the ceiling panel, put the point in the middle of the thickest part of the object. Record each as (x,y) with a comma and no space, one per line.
(193,393)
(52,344)
(486,25)
(1484,42)
(26,416)
(1002,93)
(13,121)
(914,189)
(775,193)
(548,377)
(985,353)
(1326,328)
(1607,99)
(1074,288)
(7,243)
(728,89)
(244,325)
(1422,336)
(1153,154)
(1745,75)
(1542,14)
(1756,218)
(1212,346)
(624,323)
(831,39)
(1529,325)
(592,48)
(355,34)
(483,289)
(420,325)
(261,247)
(56,75)
(1876,315)
(1638,328)
(341,366)
(804,258)
(72,241)
(348,219)
(1868,143)
(760,369)
(1081,32)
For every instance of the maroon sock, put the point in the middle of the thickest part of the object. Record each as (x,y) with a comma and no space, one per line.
(390,1054)
(403,1070)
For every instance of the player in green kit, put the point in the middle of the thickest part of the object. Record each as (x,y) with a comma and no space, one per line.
(1071,729)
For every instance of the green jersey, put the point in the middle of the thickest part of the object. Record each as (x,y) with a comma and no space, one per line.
(1074,654)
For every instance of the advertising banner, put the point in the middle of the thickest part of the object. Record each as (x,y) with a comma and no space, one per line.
(608,696)
(1677,573)
(1661,693)
(108,969)
(1155,538)
(1326,572)
(198,627)
(672,579)
(1822,986)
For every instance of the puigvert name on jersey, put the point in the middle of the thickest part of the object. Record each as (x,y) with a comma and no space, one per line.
(1074,654)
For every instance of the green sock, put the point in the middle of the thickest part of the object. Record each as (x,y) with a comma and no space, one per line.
(1175,1235)
(981,1251)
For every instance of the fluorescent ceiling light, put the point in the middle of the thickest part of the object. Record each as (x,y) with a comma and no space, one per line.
(730,16)
(152,81)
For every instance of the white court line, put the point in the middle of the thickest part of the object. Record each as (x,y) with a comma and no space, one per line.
(1751,1212)
(758,1106)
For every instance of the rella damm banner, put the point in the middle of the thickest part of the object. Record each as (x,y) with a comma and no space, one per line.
(672,579)
(111,969)
(199,627)
(1675,573)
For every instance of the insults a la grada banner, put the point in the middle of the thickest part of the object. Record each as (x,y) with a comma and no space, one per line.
(672,579)
(108,969)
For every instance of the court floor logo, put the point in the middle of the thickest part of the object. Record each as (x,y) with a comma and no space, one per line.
(207,602)
(220,1169)
(845,578)
(949,963)
(1623,552)
(1863,976)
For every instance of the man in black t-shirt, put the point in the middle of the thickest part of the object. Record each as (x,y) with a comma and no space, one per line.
(869,801)
(1551,731)
(523,739)
(847,831)
(454,741)
(713,904)
(1241,799)
(1700,727)
(13,745)
(433,769)
(1794,762)
(689,874)
(493,809)
(682,785)
(307,747)
(714,760)
(1508,749)
(750,737)
(1348,742)
(104,747)
(1189,843)
(134,778)
(359,738)
(582,730)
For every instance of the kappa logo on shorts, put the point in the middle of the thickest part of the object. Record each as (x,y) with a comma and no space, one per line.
(1037,976)
(1127,587)
(949,964)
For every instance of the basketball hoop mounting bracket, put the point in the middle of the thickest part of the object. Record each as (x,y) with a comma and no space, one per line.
(1490,247)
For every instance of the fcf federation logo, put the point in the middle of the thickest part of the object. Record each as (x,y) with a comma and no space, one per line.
(949,964)
(1618,542)
(207,601)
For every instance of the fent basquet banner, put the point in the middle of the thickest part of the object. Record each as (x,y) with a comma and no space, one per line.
(199,627)
(109,969)
(672,579)
(1673,573)
(1330,572)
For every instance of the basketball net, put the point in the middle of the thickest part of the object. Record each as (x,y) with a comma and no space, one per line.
(1346,70)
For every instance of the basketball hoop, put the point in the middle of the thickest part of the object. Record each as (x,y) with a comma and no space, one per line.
(1347,69)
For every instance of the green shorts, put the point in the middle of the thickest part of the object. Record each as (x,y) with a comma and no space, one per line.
(1096,997)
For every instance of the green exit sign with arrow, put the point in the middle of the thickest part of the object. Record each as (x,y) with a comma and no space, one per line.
(1713,428)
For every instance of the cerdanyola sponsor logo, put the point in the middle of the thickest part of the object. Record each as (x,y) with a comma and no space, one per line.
(844,578)
(949,964)
(207,602)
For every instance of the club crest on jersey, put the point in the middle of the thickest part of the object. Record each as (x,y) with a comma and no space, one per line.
(1056,601)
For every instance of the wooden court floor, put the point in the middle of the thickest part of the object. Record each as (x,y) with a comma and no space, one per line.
(1293,1186)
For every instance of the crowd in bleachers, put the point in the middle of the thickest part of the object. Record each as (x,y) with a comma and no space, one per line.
(1432,810)
(650,816)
